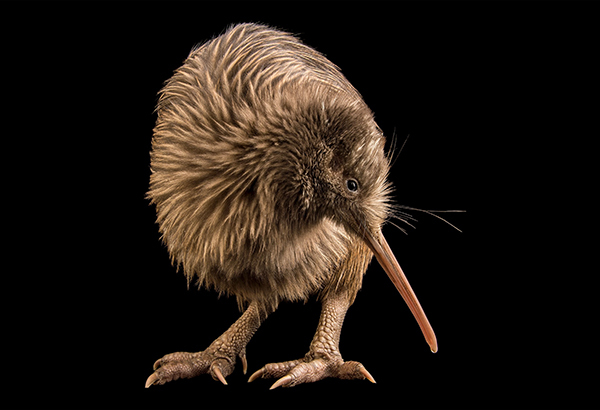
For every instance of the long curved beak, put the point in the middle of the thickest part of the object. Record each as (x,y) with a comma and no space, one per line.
(390,265)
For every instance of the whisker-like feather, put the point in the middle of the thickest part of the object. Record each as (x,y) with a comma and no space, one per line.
(432,213)
(400,151)
(400,228)
(391,153)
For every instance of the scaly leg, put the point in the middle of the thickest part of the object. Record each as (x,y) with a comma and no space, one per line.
(324,358)
(218,359)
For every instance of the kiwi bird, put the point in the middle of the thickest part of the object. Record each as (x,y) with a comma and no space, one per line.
(269,177)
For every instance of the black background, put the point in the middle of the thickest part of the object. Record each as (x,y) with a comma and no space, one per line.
(491,95)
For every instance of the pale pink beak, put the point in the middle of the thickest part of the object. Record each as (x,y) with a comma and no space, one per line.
(390,265)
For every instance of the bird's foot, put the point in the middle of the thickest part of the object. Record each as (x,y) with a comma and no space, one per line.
(218,361)
(311,369)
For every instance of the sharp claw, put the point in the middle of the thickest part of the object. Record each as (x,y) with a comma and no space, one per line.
(156,364)
(151,380)
(219,375)
(244,364)
(367,374)
(284,381)
(256,375)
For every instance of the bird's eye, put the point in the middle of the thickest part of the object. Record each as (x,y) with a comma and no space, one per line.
(352,185)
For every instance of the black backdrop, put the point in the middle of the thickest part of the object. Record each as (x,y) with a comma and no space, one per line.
(94,301)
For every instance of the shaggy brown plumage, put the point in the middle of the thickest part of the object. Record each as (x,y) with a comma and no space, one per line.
(268,175)
(255,138)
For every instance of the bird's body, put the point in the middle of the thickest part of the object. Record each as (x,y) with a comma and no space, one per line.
(234,172)
(269,180)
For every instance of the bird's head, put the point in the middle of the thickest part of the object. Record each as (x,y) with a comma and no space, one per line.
(338,170)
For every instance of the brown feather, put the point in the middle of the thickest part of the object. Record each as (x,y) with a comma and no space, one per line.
(255,137)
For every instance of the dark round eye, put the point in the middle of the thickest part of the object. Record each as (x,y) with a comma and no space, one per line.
(352,185)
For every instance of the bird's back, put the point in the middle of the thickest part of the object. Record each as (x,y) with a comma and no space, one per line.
(251,62)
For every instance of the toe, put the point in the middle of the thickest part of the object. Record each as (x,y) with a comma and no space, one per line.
(309,372)
(175,366)
(274,370)
(354,370)
(298,372)
(173,357)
